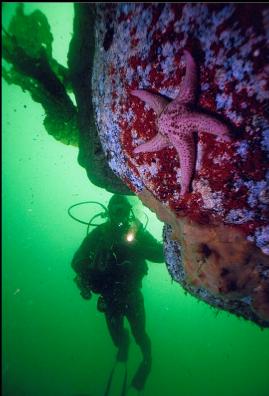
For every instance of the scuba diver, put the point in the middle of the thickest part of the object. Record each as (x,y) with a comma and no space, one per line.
(111,262)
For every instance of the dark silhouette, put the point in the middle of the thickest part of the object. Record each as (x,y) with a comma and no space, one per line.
(111,262)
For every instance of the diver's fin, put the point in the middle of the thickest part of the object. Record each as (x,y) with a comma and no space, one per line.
(124,385)
(141,375)
(108,385)
(109,382)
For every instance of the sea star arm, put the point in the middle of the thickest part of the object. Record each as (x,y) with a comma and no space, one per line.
(206,123)
(156,102)
(188,87)
(185,147)
(155,144)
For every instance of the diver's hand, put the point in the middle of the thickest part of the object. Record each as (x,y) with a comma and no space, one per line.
(86,294)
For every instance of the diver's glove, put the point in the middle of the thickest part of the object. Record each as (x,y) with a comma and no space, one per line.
(86,294)
(85,291)
(101,304)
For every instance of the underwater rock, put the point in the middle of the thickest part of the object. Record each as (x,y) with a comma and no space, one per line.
(217,265)
(140,47)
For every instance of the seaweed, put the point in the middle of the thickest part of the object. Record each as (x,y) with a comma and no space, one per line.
(27,50)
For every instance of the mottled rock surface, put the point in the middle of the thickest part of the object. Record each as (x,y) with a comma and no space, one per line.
(140,46)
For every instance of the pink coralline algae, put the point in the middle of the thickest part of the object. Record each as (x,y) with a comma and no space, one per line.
(177,121)
(140,49)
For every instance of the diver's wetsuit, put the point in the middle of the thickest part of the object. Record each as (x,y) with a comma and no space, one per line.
(107,264)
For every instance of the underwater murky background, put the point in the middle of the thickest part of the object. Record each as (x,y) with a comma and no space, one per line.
(54,342)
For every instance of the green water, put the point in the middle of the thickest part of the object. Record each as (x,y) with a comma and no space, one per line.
(54,342)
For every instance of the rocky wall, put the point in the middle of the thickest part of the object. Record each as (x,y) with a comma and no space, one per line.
(140,47)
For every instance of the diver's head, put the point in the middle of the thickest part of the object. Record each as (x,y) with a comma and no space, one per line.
(119,210)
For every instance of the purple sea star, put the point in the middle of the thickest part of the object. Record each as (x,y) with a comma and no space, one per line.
(177,120)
